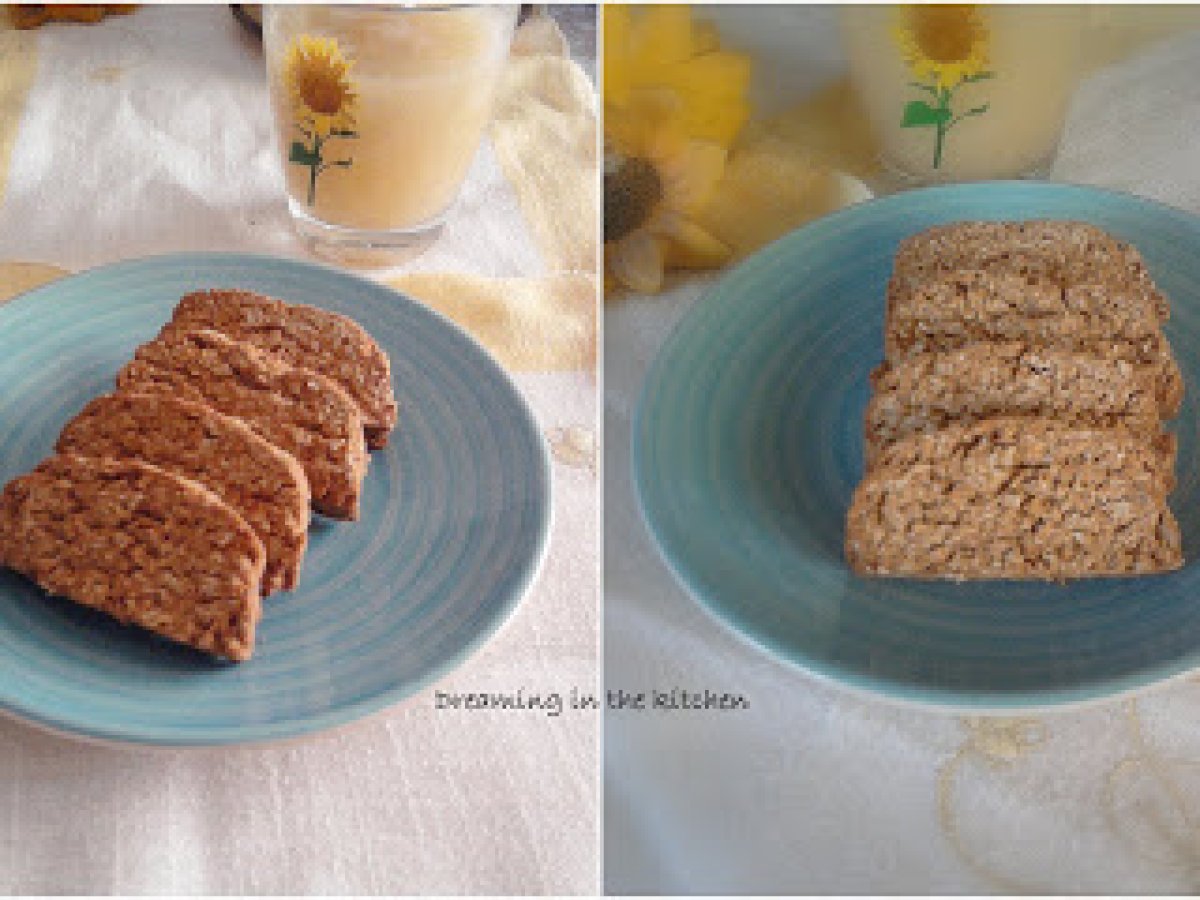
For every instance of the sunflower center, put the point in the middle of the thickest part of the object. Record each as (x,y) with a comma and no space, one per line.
(321,91)
(630,193)
(945,34)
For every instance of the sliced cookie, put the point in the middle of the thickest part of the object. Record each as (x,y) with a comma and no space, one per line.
(301,412)
(966,307)
(929,391)
(1014,498)
(1069,253)
(305,336)
(142,544)
(265,484)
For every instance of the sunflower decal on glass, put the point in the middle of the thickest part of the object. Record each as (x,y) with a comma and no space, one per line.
(944,47)
(323,104)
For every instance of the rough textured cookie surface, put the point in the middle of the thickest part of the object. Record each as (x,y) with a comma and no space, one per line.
(1014,498)
(263,483)
(1072,254)
(974,306)
(928,391)
(301,412)
(142,544)
(305,336)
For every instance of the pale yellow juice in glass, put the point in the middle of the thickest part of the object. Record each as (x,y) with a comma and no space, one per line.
(964,92)
(403,122)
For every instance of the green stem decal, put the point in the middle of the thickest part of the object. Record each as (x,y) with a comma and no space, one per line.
(938,115)
(942,126)
(312,157)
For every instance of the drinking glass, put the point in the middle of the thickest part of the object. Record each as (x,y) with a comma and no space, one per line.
(379,112)
(967,91)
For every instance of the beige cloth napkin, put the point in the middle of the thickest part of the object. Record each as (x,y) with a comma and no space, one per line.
(529,324)
(18,64)
(545,137)
(544,134)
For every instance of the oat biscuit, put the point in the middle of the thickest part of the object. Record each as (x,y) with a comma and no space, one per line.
(263,483)
(966,307)
(1012,498)
(928,391)
(142,544)
(301,412)
(332,344)
(1071,254)
(1016,425)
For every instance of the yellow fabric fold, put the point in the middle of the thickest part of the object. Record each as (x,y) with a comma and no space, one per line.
(528,324)
(19,277)
(18,67)
(544,134)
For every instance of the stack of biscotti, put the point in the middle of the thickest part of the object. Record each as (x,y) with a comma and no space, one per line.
(1016,425)
(178,501)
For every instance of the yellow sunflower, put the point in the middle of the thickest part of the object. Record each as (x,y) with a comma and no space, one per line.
(663,48)
(673,103)
(319,84)
(943,44)
(656,180)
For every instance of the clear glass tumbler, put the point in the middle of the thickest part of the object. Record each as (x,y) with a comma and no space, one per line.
(379,111)
(966,91)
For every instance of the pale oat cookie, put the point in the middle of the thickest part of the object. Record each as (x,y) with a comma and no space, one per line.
(956,309)
(1015,429)
(305,336)
(927,391)
(1068,253)
(266,485)
(142,544)
(301,412)
(1014,498)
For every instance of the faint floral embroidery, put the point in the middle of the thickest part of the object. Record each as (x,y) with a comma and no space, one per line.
(1148,808)
(998,742)
(1144,797)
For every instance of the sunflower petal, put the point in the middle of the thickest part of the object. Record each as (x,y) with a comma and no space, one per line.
(649,125)
(691,247)
(661,36)
(317,76)
(944,44)
(769,188)
(617,24)
(705,37)
(713,86)
(636,261)
(691,177)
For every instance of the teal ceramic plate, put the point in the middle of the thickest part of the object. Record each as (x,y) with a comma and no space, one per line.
(748,445)
(455,513)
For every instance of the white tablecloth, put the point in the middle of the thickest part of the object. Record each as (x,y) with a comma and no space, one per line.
(149,133)
(815,790)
